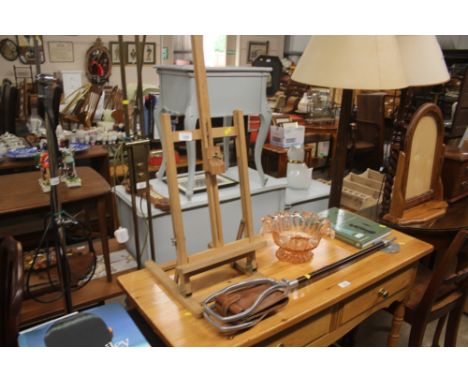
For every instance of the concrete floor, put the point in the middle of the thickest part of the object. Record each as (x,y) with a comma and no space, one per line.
(374,331)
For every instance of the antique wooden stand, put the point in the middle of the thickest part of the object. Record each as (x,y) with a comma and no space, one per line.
(218,253)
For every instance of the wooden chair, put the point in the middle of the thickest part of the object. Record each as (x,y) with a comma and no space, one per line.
(90,106)
(439,294)
(9,105)
(367,137)
(84,107)
(11,290)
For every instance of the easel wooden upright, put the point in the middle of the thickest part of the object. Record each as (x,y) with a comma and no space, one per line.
(218,253)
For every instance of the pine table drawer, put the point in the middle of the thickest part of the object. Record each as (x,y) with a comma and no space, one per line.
(303,333)
(376,295)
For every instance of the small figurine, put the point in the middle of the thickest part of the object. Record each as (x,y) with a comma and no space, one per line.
(69,175)
(43,163)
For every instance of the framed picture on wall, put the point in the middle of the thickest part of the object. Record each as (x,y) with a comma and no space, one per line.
(61,51)
(257,48)
(114,49)
(131,52)
(149,53)
(26,48)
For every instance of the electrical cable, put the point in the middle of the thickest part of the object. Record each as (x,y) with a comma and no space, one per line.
(44,244)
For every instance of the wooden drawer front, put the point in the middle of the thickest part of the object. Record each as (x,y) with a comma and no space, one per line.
(375,295)
(303,333)
(454,178)
(462,187)
(462,170)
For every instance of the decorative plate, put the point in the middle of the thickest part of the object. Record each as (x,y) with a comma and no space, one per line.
(8,49)
(22,153)
(79,147)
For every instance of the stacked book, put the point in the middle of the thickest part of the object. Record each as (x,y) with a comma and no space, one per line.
(354,229)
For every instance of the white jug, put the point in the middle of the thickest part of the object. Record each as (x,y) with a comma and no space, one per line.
(299,176)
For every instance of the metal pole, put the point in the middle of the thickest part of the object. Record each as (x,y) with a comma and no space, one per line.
(139,92)
(45,86)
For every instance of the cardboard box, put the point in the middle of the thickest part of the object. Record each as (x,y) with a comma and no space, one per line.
(287,135)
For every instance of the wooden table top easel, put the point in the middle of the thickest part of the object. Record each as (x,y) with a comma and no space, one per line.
(218,253)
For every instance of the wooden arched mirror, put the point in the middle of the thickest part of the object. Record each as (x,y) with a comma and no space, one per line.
(418,191)
(98,63)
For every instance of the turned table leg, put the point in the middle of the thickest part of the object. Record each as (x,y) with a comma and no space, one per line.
(157,118)
(398,317)
(265,120)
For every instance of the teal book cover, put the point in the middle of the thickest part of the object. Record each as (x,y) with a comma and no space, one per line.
(107,325)
(354,229)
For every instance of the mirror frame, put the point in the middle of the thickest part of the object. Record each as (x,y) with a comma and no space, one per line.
(399,204)
(98,45)
(435,188)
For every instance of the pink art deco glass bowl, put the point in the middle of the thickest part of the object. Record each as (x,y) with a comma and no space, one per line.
(296,234)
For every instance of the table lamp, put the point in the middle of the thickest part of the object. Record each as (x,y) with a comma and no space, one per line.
(367,63)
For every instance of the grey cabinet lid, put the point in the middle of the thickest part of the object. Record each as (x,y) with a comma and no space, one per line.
(220,70)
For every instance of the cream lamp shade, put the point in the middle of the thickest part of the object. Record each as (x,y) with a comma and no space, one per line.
(371,62)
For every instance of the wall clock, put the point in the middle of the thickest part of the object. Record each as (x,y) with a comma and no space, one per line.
(8,49)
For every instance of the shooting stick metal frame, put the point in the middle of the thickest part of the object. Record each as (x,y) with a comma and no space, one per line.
(218,253)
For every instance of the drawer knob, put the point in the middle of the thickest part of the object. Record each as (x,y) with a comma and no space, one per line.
(383,292)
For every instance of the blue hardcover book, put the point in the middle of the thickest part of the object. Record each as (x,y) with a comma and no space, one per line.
(107,325)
